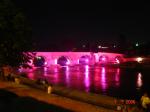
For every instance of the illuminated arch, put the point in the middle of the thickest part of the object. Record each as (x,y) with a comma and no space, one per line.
(84,59)
(103,59)
(39,61)
(63,61)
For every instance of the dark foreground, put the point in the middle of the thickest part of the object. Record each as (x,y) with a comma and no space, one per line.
(10,102)
(21,98)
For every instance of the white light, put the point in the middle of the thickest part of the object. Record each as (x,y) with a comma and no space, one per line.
(139,59)
(104,47)
(117,61)
(86,60)
(45,63)
(99,46)
(136,44)
(83,46)
(68,62)
(55,61)
(78,61)
(38,57)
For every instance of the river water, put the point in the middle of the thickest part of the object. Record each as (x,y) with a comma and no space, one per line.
(111,81)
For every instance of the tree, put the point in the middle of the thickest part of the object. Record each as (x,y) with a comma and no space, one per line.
(15,36)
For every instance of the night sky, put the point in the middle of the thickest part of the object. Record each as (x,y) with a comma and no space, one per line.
(76,21)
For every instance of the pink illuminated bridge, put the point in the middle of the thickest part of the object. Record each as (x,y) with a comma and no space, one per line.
(74,58)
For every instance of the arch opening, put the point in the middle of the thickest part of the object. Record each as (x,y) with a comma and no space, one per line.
(39,61)
(84,60)
(63,61)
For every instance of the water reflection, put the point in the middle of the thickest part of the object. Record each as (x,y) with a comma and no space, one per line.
(67,76)
(45,71)
(31,75)
(86,79)
(139,80)
(117,77)
(55,70)
(103,79)
(56,75)
(97,79)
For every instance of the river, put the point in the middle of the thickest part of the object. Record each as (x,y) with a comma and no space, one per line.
(111,81)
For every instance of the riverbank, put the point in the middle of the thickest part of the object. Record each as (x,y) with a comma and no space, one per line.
(53,99)
(63,97)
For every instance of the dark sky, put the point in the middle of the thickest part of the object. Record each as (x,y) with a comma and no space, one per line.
(87,21)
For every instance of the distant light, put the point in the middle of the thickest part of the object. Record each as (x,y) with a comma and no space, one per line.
(139,59)
(39,57)
(136,44)
(84,46)
(99,46)
(117,61)
(114,46)
(104,47)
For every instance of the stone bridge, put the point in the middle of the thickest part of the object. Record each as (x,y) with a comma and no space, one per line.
(73,58)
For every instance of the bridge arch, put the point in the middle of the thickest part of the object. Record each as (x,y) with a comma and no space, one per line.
(63,60)
(39,61)
(85,59)
(103,59)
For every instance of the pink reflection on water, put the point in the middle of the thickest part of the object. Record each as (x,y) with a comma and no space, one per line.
(117,77)
(78,61)
(97,78)
(86,68)
(86,78)
(139,80)
(103,78)
(56,75)
(67,76)
(86,60)
(45,71)
(31,75)
(80,77)
(55,70)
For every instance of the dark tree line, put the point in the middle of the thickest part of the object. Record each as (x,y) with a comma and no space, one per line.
(15,35)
